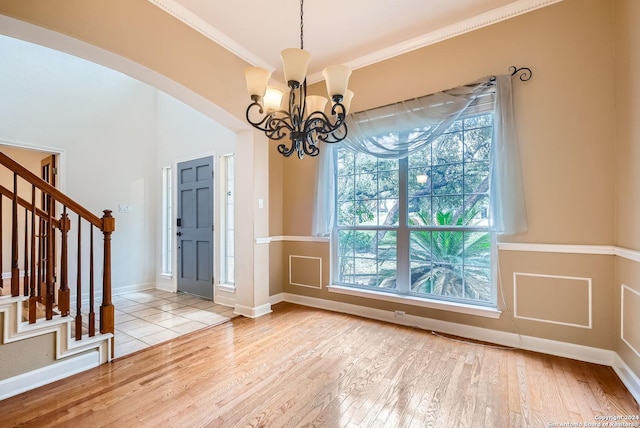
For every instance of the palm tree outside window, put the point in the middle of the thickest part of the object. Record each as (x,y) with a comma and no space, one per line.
(419,225)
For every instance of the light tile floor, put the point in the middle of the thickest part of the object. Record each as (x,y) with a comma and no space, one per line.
(149,317)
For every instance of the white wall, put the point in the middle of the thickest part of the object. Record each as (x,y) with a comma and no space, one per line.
(185,134)
(114,134)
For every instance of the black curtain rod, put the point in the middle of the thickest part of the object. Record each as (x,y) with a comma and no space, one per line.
(525,72)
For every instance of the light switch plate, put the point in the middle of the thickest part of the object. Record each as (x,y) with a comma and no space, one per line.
(125,208)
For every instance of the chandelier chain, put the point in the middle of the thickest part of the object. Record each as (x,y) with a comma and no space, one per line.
(301,24)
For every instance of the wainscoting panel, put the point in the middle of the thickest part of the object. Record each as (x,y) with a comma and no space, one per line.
(305,271)
(630,318)
(563,300)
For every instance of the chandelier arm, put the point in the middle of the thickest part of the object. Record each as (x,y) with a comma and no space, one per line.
(320,122)
(309,148)
(339,110)
(297,108)
(335,137)
(271,124)
(279,125)
(286,151)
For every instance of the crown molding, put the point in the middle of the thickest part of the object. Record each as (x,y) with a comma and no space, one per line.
(183,14)
(486,19)
(491,17)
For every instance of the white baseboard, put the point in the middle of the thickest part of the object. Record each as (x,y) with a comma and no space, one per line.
(278,298)
(254,312)
(171,288)
(114,292)
(224,300)
(553,347)
(627,376)
(133,288)
(27,381)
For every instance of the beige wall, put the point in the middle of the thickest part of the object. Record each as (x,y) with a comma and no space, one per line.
(567,127)
(19,357)
(627,38)
(627,278)
(276,216)
(627,321)
(565,114)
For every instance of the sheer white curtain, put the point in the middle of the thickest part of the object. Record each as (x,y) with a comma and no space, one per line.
(324,202)
(377,132)
(507,214)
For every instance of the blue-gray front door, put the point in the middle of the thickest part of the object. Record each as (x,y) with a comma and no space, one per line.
(195,227)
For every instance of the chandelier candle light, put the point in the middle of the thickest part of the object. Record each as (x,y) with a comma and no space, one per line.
(305,121)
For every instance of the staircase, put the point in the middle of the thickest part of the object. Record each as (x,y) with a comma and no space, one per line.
(46,251)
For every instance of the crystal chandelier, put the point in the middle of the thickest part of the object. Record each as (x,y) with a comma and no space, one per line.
(305,121)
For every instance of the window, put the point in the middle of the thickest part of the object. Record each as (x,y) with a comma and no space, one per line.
(166,221)
(228,261)
(419,225)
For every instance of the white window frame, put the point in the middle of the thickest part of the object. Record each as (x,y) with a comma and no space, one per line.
(227,241)
(402,292)
(167,221)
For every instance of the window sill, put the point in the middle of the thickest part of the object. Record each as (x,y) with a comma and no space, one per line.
(227,288)
(480,311)
(166,276)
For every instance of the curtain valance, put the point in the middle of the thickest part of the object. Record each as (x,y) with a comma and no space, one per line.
(397,130)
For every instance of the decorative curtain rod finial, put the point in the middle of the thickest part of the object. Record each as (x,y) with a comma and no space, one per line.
(525,73)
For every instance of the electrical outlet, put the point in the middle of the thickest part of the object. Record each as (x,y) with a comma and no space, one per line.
(399,314)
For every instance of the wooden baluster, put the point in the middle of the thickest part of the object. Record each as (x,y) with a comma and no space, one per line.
(32,295)
(79,283)
(42,287)
(92,314)
(107,311)
(64,296)
(40,279)
(15,270)
(50,260)
(25,287)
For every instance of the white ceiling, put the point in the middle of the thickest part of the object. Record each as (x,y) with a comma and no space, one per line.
(351,32)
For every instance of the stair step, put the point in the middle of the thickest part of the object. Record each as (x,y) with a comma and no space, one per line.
(40,311)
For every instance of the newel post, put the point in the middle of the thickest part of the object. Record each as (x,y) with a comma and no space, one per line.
(107,311)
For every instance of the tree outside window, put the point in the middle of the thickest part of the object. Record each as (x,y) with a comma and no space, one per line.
(426,214)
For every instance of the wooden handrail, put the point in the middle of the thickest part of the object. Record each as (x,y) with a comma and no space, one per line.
(24,204)
(41,271)
(31,178)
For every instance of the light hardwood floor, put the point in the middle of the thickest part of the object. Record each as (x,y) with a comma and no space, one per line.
(305,367)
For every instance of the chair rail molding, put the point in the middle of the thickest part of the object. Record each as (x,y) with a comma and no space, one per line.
(605,250)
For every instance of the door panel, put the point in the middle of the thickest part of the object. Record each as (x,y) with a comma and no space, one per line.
(195,227)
